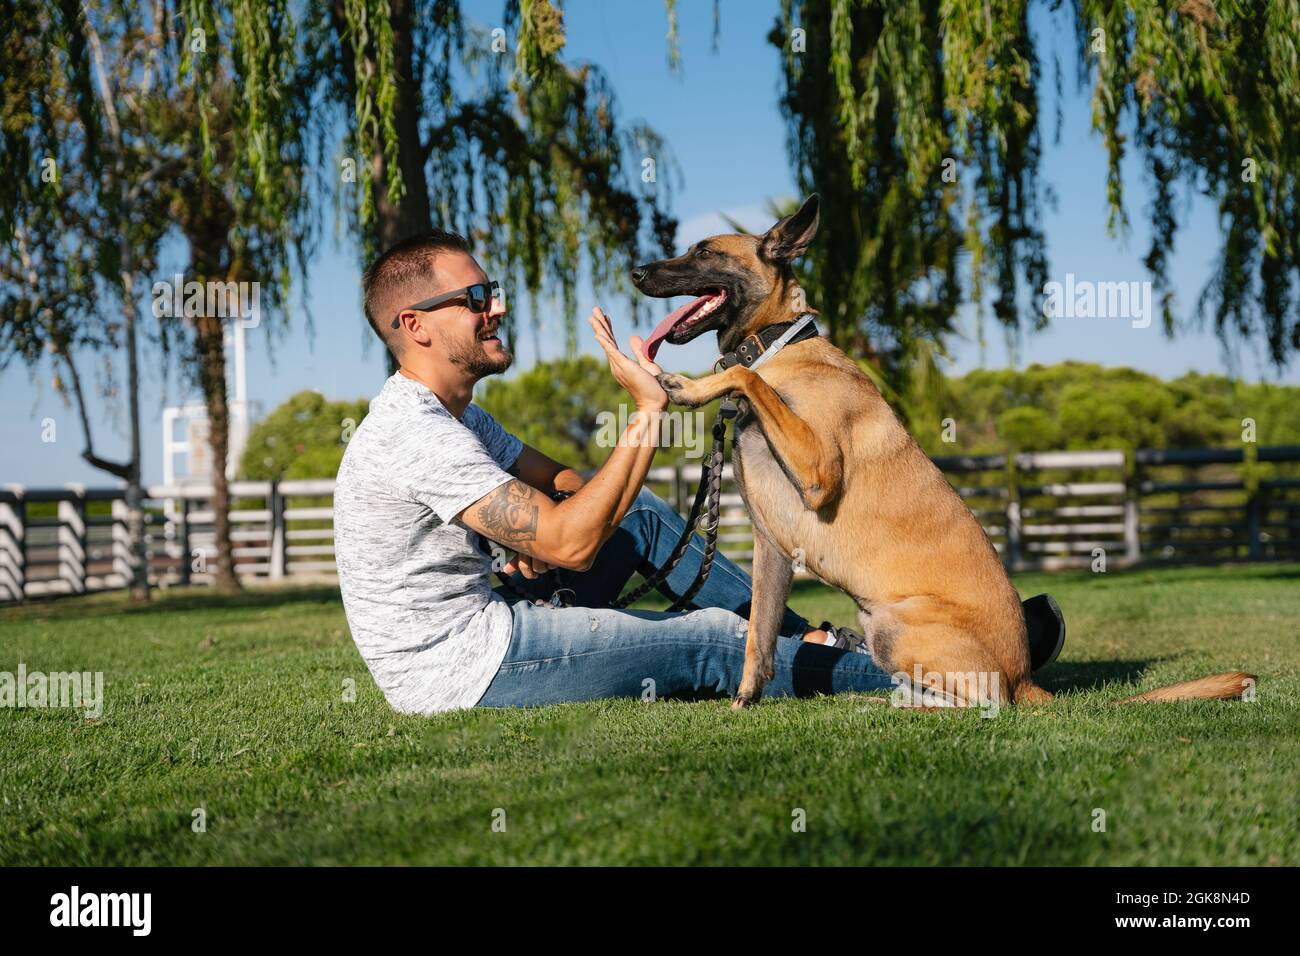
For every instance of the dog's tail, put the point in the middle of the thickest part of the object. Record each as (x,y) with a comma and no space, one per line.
(1227,686)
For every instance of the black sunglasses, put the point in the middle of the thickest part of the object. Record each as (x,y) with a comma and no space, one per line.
(478,297)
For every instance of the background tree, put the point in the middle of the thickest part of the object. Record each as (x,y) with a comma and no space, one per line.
(301,438)
(919,124)
(239,114)
(492,134)
(198,113)
(555,406)
(918,121)
(1078,405)
(80,217)
(1210,96)
(149,143)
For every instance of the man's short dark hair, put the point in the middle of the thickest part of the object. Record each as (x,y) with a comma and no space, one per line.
(397,273)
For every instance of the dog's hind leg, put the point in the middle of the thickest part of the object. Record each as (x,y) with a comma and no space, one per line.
(937,665)
(772,576)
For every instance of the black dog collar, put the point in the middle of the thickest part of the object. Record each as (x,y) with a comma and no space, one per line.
(748,351)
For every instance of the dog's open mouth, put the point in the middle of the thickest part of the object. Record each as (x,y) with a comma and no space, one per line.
(683,320)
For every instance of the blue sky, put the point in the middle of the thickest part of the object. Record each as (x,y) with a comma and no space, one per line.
(730,146)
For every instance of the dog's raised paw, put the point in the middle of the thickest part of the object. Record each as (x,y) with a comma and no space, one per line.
(675,387)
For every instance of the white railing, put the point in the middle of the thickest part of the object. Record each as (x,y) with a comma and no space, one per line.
(81,543)
(1042,510)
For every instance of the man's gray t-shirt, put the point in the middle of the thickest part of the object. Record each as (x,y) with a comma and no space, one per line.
(414,580)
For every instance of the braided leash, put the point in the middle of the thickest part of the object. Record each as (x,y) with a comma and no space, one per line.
(708,499)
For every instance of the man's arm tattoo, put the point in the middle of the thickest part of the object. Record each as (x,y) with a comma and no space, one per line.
(509,516)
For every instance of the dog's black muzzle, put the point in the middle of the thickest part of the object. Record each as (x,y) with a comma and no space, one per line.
(667,278)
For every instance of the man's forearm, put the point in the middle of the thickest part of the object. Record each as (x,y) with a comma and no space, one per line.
(593,513)
(631,487)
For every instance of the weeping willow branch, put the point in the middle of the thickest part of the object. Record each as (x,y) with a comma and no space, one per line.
(1210,96)
(919,121)
(518,149)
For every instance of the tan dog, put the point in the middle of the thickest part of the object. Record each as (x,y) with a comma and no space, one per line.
(827,470)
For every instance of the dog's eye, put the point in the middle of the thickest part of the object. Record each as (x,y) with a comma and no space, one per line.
(702,253)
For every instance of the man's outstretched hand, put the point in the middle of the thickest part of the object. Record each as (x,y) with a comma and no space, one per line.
(637,377)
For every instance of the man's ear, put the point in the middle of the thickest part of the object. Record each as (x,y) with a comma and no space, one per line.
(790,238)
(397,337)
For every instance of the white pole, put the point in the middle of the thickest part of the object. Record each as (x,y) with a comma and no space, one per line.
(241,374)
(239,407)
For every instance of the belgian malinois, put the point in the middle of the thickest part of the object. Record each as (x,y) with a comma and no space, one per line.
(827,470)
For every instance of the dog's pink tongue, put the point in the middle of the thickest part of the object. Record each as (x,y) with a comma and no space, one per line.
(651,345)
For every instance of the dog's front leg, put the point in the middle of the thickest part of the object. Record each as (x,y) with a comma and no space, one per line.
(772,576)
(813,461)
(694,392)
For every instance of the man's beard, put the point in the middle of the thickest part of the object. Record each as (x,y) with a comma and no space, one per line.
(474,358)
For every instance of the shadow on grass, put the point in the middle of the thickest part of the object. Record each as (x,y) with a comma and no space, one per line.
(1091,675)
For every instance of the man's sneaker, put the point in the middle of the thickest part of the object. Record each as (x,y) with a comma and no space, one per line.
(1046,626)
(845,639)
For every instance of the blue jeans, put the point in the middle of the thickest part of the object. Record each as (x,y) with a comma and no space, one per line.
(589,652)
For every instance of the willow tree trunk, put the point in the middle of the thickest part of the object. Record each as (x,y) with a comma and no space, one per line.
(411,213)
(207,222)
(211,355)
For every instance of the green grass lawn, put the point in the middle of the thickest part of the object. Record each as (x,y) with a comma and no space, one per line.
(236,707)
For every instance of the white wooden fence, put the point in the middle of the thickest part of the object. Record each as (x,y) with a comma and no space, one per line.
(1043,510)
(83,546)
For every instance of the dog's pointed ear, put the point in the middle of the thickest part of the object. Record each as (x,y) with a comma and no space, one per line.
(789,238)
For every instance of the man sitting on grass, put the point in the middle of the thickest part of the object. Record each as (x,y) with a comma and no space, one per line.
(429,480)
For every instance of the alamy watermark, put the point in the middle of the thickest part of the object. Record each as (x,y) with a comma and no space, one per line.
(980,689)
(677,429)
(179,299)
(65,689)
(1083,299)
(75,908)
